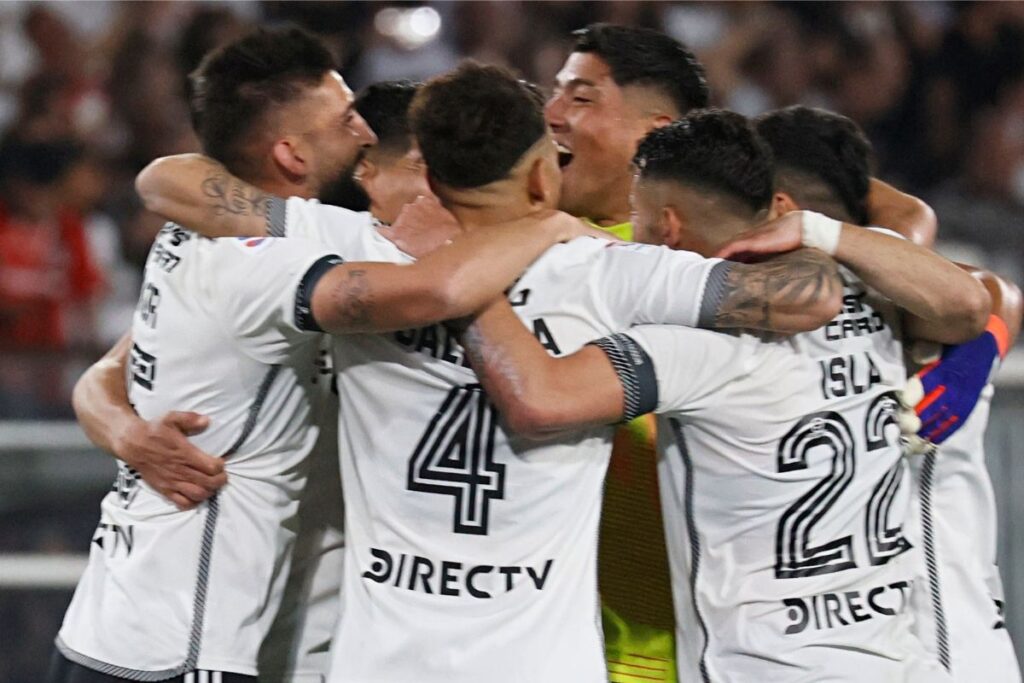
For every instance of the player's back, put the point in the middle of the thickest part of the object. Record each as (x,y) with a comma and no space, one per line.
(472,553)
(167,591)
(784,492)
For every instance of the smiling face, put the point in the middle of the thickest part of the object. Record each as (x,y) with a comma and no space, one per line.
(334,135)
(591,116)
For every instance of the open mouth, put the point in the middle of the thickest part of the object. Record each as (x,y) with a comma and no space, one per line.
(564,155)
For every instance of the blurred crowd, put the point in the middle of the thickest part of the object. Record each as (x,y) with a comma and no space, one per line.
(92,91)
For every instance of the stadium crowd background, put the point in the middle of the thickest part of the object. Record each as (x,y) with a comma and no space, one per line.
(92,91)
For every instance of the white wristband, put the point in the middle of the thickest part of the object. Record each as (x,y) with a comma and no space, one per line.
(820,231)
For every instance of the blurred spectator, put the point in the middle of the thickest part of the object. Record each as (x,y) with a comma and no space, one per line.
(48,277)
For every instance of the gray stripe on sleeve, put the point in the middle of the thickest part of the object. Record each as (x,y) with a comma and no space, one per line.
(277,217)
(636,373)
(714,294)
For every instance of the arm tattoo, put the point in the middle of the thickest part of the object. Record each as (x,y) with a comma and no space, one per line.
(353,300)
(228,194)
(787,282)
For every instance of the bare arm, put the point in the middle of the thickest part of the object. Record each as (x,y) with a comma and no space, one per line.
(1006,299)
(793,292)
(158,450)
(197,192)
(945,304)
(454,281)
(902,213)
(537,395)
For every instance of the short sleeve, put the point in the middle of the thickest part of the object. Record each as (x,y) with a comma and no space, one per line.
(262,292)
(643,284)
(690,365)
(342,231)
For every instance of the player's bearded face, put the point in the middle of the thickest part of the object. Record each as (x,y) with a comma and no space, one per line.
(341,188)
(337,140)
(589,116)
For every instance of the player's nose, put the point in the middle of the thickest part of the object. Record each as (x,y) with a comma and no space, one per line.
(554,113)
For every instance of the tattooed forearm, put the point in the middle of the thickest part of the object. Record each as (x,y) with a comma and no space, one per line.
(352,301)
(228,194)
(756,295)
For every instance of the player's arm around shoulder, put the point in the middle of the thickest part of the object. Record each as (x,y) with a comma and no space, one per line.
(789,293)
(454,281)
(537,395)
(200,194)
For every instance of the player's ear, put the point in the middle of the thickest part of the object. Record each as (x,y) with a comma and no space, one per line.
(782,204)
(290,158)
(365,172)
(539,184)
(660,120)
(670,224)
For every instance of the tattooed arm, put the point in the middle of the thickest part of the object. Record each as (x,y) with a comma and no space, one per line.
(453,281)
(794,292)
(197,192)
(942,303)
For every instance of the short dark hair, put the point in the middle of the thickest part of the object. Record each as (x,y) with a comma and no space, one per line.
(822,159)
(713,149)
(236,85)
(385,106)
(644,57)
(475,123)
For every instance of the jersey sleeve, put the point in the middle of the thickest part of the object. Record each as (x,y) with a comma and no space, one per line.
(338,229)
(263,291)
(643,284)
(669,369)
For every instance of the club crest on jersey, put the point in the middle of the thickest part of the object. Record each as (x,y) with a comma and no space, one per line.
(254,244)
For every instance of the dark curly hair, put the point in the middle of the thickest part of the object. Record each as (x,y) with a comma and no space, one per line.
(822,159)
(475,123)
(713,149)
(641,56)
(236,85)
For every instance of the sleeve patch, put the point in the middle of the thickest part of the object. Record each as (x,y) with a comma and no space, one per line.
(304,319)
(636,373)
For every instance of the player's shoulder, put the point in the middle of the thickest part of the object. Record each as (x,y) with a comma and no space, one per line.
(314,209)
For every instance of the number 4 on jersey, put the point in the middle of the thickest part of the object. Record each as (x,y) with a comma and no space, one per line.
(455,457)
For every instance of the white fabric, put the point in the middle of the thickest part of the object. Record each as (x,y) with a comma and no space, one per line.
(732,470)
(214,315)
(539,504)
(969,587)
(820,231)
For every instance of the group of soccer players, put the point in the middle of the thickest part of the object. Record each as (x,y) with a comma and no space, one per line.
(459,379)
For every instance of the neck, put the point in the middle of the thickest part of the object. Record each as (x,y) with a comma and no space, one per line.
(614,208)
(276,184)
(722,229)
(477,208)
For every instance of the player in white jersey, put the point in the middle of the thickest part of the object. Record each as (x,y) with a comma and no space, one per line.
(227,329)
(780,468)
(822,163)
(403,557)
(469,555)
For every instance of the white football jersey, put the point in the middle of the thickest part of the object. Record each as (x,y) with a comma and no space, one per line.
(471,554)
(959,611)
(784,493)
(218,330)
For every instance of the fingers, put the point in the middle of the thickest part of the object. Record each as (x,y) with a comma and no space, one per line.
(912,393)
(180,501)
(187,423)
